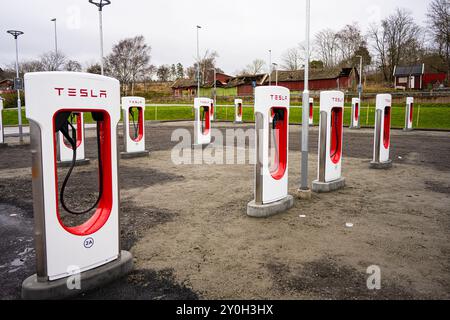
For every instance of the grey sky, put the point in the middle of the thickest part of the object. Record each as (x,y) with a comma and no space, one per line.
(239,30)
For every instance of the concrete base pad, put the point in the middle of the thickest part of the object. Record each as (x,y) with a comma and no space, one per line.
(238,122)
(131,155)
(304,194)
(3,145)
(66,164)
(381,165)
(268,210)
(91,279)
(407,130)
(322,187)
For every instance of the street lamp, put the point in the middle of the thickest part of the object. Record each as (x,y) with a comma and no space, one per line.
(276,73)
(198,64)
(17,82)
(215,94)
(100,6)
(360,82)
(56,37)
(304,189)
(270,67)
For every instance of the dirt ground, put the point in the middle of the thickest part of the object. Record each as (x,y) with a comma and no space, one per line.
(191,239)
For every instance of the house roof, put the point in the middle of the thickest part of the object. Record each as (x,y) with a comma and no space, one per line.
(184,83)
(415,70)
(314,74)
(247,79)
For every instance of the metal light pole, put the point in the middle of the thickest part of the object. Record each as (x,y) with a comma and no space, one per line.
(360,83)
(305,111)
(270,67)
(198,64)
(17,83)
(276,73)
(56,37)
(215,94)
(100,6)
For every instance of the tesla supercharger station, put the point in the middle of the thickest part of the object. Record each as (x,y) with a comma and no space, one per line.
(238,110)
(382,134)
(311,111)
(409,112)
(272,151)
(331,131)
(2,133)
(73,259)
(134,127)
(355,114)
(75,126)
(202,122)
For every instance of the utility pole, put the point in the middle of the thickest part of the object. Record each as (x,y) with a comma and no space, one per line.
(18,83)
(215,95)
(56,38)
(198,64)
(276,73)
(270,67)
(100,6)
(360,84)
(304,190)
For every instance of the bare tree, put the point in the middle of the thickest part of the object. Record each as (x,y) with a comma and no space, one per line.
(256,67)
(129,59)
(292,59)
(439,23)
(52,61)
(350,39)
(163,73)
(72,65)
(327,46)
(396,41)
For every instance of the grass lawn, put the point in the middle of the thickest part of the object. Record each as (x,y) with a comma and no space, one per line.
(432,116)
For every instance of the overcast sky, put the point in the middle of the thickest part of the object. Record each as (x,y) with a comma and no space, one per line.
(239,30)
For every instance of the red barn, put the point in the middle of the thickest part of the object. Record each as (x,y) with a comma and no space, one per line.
(319,79)
(246,83)
(416,78)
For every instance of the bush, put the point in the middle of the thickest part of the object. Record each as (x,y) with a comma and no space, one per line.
(10,99)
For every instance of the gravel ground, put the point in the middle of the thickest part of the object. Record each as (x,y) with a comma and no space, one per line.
(187,229)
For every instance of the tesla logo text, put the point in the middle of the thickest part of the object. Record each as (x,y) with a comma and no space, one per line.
(338,99)
(88,243)
(84,93)
(278,97)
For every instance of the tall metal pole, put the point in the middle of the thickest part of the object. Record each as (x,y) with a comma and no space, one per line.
(305,106)
(276,73)
(56,37)
(100,6)
(360,85)
(270,67)
(215,96)
(198,63)
(16,34)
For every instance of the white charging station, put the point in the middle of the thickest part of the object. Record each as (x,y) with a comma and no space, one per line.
(2,133)
(202,122)
(355,114)
(382,132)
(65,151)
(134,127)
(238,110)
(409,114)
(91,249)
(331,131)
(311,111)
(272,151)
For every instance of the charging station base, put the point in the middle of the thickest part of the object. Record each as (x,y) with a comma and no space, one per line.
(32,289)
(66,164)
(408,129)
(131,155)
(323,187)
(267,210)
(381,165)
(238,122)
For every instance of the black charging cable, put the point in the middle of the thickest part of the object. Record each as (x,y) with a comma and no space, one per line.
(338,138)
(135,126)
(63,126)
